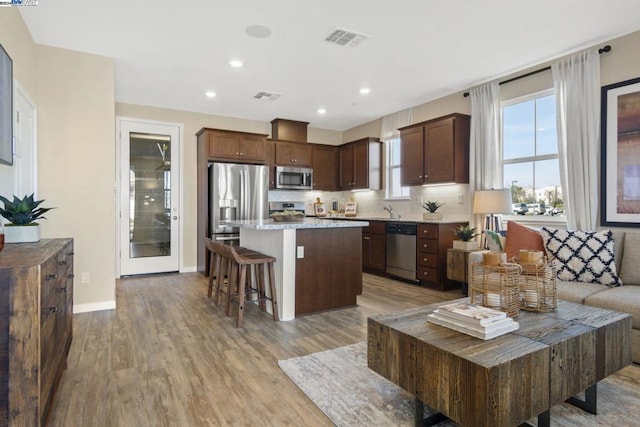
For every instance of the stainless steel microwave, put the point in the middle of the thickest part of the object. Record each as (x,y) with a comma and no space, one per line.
(294,178)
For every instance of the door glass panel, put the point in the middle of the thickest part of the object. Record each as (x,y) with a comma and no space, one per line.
(149,195)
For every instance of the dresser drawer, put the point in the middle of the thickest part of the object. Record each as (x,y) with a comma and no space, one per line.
(427,259)
(429,231)
(429,274)
(429,246)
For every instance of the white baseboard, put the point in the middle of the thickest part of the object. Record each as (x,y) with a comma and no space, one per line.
(189,269)
(94,306)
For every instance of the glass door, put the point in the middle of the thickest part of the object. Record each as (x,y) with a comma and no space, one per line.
(149,226)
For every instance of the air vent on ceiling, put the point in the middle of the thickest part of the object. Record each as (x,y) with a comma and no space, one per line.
(345,37)
(267,96)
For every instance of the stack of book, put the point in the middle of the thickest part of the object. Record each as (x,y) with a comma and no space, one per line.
(475,320)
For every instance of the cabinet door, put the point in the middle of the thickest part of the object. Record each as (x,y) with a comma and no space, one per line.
(252,147)
(360,165)
(271,163)
(325,168)
(439,152)
(412,156)
(291,153)
(302,154)
(378,252)
(346,167)
(224,145)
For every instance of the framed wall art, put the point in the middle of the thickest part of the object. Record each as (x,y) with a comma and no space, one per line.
(620,154)
(6,108)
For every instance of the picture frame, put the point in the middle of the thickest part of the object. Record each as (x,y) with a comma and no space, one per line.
(620,154)
(6,108)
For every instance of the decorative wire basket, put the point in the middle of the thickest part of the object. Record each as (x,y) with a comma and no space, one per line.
(538,288)
(496,286)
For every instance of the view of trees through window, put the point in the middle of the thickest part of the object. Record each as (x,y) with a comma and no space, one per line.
(530,155)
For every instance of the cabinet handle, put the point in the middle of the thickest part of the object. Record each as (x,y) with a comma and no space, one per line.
(420,176)
(425,259)
(51,277)
(50,311)
(426,246)
(63,262)
(61,290)
(71,276)
(425,231)
(242,154)
(425,274)
(366,238)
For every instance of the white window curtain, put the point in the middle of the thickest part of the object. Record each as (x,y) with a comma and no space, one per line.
(576,81)
(391,123)
(485,151)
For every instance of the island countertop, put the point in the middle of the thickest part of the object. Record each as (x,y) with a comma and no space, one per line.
(268,224)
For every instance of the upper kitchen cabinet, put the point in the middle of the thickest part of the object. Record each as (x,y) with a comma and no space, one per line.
(436,151)
(324,161)
(271,163)
(360,165)
(293,153)
(241,147)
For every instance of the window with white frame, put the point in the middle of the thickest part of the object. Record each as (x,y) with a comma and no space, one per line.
(393,188)
(530,154)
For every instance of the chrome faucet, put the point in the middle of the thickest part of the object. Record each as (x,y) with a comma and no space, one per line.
(389,209)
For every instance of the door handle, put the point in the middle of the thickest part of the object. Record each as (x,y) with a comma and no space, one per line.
(175,217)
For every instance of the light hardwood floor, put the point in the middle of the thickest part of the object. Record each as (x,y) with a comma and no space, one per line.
(168,356)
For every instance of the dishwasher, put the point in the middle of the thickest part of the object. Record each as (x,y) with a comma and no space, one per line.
(401,249)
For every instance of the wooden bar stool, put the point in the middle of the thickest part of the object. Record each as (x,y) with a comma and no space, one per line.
(238,289)
(220,267)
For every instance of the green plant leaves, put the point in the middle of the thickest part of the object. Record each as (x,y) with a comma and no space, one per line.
(23,211)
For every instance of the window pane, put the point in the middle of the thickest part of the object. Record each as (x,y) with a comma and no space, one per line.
(548,187)
(519,177)
(519,130)
(395,152)
(547,136)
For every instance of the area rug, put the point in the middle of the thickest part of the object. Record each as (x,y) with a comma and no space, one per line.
(343,387)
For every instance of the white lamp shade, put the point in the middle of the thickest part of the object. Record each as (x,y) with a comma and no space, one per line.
(492,201)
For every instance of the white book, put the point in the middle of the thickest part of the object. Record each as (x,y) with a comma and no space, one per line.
(447,315)
(472,312)
(484,329)
(509,326)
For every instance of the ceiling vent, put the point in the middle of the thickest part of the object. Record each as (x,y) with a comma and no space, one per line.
(345,37)
(267,96)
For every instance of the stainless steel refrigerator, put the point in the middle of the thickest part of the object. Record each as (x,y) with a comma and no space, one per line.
(236,192)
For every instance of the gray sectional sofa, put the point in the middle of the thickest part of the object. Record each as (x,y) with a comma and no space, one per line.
(625,298)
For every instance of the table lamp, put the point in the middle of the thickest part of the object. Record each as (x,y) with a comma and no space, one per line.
(490,203)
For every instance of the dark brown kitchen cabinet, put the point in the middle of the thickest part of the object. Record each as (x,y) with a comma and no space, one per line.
(271,163)
(324,161)
(436,151)
(36,315)
(360,165)
(433,241)
(233,146)
(293,153)
(374,247)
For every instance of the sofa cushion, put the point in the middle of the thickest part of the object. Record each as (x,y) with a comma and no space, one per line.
(630,265)
(621,298)
(521,237)
(577,292)
(582,256)
(618,248)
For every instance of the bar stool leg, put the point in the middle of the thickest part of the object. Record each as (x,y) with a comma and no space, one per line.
(272,289)
(261,290)
(212,270)
(241,288)
(222,270)
(232,285)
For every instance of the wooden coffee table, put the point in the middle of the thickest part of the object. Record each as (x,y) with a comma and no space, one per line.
(506,380)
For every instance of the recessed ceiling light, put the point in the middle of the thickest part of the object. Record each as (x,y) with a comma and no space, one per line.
(235,63)
(365,90)
(210,94)
(321,111)
(258,31)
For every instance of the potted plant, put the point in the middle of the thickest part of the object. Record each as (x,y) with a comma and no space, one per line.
(465,234)
(431,208)
(22,215)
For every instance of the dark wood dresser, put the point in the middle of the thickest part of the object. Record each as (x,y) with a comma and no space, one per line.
(36,310)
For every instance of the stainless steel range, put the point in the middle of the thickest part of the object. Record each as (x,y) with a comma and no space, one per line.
(286,206)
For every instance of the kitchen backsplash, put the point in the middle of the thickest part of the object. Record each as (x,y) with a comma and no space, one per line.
(370,203)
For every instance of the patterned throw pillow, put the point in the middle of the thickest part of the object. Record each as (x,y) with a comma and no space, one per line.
(582,256)
(495,241)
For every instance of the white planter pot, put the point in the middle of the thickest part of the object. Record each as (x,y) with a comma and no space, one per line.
(465,246)
(21,233)
(432,216)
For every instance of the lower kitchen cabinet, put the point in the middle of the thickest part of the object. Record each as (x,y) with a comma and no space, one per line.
(433,241)
(36,312)
(374,247)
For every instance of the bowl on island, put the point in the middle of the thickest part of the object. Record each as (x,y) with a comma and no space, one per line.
(287,216)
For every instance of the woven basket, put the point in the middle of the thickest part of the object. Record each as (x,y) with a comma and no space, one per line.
(496,286)
(538,288)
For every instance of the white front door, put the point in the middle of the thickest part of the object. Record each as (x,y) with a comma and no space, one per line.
(149,197)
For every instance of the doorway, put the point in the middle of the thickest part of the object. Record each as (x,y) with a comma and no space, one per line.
(149,202)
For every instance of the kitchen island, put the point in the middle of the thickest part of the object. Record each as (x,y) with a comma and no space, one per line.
(318,261)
